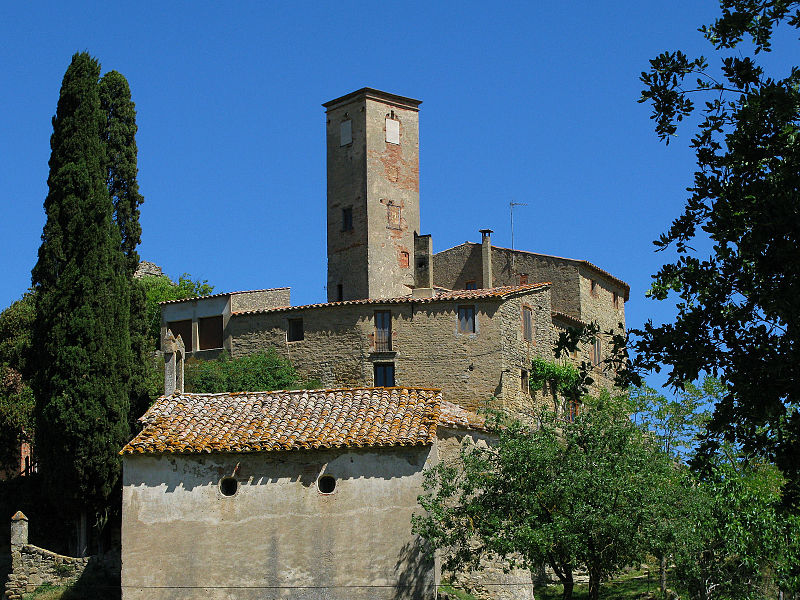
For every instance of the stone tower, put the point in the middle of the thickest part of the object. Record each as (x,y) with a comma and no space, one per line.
(373,194)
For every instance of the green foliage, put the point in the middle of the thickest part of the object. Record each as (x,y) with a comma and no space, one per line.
(677,422)
(564,494)
(16,416)
(162,289)
(741,546)
(82,363)
(738,303)
(562,377)
(258,372)
(16,323)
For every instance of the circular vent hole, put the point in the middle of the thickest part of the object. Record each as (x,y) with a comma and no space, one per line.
(326,484)
(228,486)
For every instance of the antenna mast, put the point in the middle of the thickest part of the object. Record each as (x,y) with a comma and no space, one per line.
(511,206)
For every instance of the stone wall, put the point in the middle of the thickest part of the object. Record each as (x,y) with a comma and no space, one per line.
(32,566)
(338,347)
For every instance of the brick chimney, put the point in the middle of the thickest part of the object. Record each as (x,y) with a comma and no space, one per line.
(174,353)
(486,257)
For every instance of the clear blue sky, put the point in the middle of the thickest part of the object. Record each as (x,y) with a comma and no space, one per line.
(529,102)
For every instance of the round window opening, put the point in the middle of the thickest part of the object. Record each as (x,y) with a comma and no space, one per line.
(228,486)
(326,484)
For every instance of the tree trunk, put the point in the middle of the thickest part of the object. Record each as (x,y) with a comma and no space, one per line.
(569,585)
(594,584)
(662,575)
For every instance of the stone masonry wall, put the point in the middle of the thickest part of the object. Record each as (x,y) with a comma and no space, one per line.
(337,349)
(32,566)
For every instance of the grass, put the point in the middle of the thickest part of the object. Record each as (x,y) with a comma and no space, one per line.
(446,588)
(86,589)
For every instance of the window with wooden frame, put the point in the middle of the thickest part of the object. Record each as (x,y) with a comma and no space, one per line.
(572,410)
(294,330)
(471,285)
(466,319)
(209,332)
(383,374)
(595,352)
(527,324)
(615,299)
(383,331)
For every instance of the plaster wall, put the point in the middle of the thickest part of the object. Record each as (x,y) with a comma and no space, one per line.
(278,536)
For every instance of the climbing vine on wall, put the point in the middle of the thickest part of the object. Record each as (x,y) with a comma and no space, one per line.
(563,378)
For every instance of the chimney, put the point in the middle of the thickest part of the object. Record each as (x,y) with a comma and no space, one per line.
(174,352)
(486,257)
(423,261)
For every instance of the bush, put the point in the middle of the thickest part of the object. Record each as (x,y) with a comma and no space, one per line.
(262,371)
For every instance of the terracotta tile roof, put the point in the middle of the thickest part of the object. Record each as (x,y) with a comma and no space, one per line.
(217,295)
(570,320)
(455,417)
(287,420)
(441,296)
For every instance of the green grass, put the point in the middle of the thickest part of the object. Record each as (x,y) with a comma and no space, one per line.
(626,587)
(446,588)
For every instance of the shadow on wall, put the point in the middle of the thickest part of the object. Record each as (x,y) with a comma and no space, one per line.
(415,569)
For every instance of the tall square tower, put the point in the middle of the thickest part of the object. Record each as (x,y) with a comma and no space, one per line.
(373,194)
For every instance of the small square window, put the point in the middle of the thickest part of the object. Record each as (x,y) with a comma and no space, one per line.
(347,218)
(345,132)
(384,374)
(466,319)
(294,330)
(471,285)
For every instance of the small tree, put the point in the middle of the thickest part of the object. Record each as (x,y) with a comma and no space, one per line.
(262,371)
(567,494)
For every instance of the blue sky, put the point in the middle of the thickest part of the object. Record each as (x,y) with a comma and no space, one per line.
(530,102)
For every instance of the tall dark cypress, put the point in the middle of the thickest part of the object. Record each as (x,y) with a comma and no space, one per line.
(82,347)
(123,187)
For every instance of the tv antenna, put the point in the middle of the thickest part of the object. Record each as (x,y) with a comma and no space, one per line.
(511,206)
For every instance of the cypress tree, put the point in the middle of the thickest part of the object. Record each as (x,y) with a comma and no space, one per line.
(123,188)
(82,347)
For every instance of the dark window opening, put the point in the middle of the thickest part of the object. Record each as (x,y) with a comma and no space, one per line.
(339,292)
(383,331)
(228,486)
(384,374)
(404,260)
(471,285)
(466,319)
(524,384)
(183,329)
(527,323)
(347,218)
(294,330)
(326,484)
(593,288)
(523,278)
(209,332)
(616,300)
